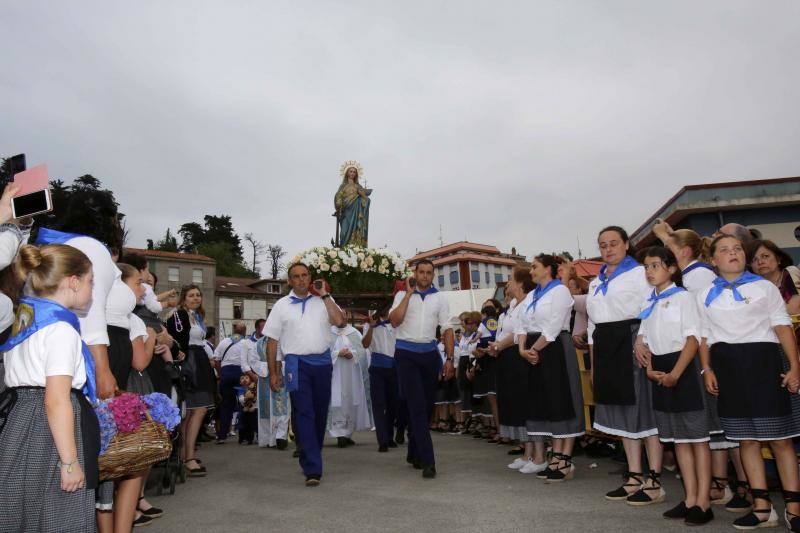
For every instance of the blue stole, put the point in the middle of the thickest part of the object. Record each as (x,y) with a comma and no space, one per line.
(426,292)
(296,300)
(416,347)
(379,360)
(291,367)
(540,291)
(720,284)
(629,263)
(655,299)
(34,314)
(695,265)
(52,236)
(198,320)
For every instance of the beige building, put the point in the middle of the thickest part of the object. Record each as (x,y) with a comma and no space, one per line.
(245,300)
(467,265)
(174,270)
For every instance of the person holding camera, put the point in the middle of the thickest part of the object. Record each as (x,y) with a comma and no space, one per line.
(415,315)
(300,322)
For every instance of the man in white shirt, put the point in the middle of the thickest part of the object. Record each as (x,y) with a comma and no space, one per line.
(301,323)
(231,358)
(415,315)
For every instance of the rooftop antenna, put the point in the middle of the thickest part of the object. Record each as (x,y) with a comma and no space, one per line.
(441,239)
(580,254)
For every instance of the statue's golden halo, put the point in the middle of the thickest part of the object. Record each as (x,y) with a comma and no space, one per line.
(351,164)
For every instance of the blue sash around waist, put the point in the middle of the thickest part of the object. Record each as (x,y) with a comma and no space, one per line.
(418,347)
(291,367)
(380,360)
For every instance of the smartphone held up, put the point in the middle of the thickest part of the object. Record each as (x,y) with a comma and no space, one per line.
(33,197)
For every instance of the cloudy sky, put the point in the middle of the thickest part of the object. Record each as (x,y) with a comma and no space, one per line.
(526,124)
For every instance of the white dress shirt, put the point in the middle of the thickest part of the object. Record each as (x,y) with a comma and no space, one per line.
(698,278)
(508,323)
(383,339)
(298,332)
(422,317)
(621,301)
(672,321)
(550,316)
(137,328)
(237,355)
(751,320)
(54,350)
(93,321)
(466,346)
(150,300)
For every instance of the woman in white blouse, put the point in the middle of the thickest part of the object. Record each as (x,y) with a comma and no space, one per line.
(621,390)
(744,325)
(555,397)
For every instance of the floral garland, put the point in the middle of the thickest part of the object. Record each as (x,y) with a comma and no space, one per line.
(125,413)
(348,266)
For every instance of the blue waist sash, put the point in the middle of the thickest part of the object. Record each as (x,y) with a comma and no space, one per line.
(291,367)
(418,347)
(380,360)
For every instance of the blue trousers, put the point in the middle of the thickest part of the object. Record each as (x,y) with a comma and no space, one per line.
(229,378)
(418,374)
(384,393)
(310,414)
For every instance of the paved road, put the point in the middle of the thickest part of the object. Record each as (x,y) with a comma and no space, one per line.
(250,489)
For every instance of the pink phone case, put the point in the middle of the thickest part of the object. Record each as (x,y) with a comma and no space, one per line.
(32,180)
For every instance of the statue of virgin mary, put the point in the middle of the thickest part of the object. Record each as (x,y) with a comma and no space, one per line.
(352,207)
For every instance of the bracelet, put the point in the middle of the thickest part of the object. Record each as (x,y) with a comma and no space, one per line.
(706,369)
(62,464)
(325,296)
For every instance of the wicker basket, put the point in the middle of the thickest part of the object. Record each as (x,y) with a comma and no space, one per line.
(128,453)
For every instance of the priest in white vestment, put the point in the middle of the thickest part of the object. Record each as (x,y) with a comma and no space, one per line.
(349,411)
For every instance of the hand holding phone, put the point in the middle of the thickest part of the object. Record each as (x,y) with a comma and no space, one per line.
(6,211)
(411,284)
(33,194)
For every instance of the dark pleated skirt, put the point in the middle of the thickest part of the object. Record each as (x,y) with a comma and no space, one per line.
(120,354)
(202,394)
(485,378)
(512,388)
(464,385)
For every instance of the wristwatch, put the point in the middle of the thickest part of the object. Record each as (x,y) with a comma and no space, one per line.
(325,296)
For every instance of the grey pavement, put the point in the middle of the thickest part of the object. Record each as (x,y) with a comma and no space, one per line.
(251,489)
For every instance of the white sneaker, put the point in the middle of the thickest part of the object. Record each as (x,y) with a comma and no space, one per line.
(533,468)
(518,463)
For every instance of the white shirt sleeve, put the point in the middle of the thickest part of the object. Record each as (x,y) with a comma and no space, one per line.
(561,307)
(444,315)
(778,316)
(691,325)
(150,300)
(137,328)
(274,324)
(62,357)
(248,354)
(11,239)
(221,347)
(93,323)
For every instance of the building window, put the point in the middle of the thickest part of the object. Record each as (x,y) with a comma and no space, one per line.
(174,274)
(476,285)
(238,309)
(453,277)
(486,276)
(498,278)
(274,288)
(476,277)
(441,280)
(197,275)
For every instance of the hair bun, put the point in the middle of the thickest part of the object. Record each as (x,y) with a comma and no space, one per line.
(30,257)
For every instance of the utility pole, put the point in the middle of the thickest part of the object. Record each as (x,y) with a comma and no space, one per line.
(580,254)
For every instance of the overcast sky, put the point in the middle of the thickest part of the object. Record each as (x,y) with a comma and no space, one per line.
(509,123)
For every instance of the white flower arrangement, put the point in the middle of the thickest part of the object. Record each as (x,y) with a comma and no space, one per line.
(353,267)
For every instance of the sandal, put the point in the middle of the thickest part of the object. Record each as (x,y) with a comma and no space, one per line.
(739,502)
(727,495)
(153,512)
(792,520)
(561,473)
(551,467)
(641,497)
(195,472)
(622,493)
(751,520)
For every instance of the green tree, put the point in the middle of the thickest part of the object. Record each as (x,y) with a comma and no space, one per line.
(227,265)
(168,244)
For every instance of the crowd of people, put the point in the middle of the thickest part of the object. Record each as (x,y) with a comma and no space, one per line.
(690,345)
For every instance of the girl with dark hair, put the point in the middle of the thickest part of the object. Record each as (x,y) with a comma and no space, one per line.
(484,385)
(745,325)
(621,389)
(186,326)
(555,397)
(671,331)
(464,351)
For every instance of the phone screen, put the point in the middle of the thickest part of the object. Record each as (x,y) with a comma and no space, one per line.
(318,285)
(412,282)
(31,204)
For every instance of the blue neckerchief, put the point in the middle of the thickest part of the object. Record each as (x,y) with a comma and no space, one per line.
(655,299)
(720,284)
(426,292)
(42,313)
(540,291)
(382,323)
(53,236)
(693,266)
(296,300)
(252,337)
(291,367)
(629,263)
(199,320)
